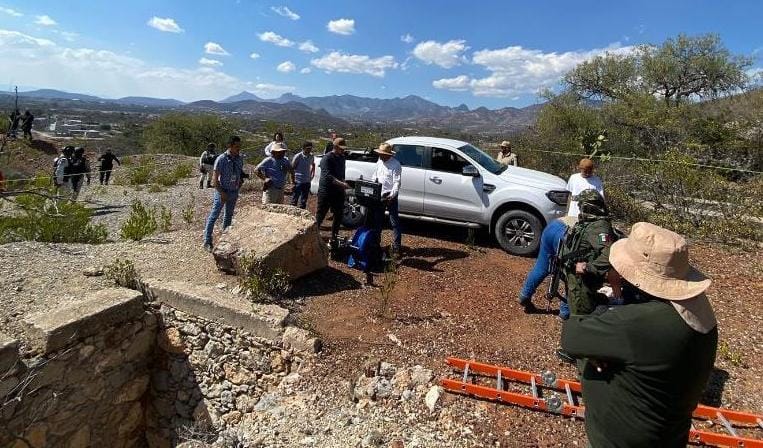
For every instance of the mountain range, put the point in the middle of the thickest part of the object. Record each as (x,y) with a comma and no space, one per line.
(333,110)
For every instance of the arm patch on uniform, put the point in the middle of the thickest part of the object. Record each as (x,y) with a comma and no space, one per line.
(604,238)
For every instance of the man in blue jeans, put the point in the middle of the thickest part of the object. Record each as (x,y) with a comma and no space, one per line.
(389,173)
(550,239)
(226,179)
(303,171)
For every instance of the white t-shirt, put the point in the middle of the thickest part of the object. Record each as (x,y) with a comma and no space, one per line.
(577,184)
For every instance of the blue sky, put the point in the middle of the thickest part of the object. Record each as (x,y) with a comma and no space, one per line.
(481,53)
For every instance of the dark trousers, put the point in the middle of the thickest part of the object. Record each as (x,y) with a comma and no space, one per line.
(105,174)
(394,220)
(333,201)
(300,194)
(28,132)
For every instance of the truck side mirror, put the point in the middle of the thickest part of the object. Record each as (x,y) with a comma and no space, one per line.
(471,171)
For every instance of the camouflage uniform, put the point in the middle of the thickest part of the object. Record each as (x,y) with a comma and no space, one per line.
(588,241)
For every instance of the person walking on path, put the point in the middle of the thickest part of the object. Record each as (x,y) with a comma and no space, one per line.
(389,173)
(206,165)
(585,253)
(505,156)
(107,160)
(552,236)
(27,120)
(584,180)
(331,187)
(645,365)
(226,179)
(79,168)
(61,172)
(273,171)
(303,171)
(277,139)
(13,124)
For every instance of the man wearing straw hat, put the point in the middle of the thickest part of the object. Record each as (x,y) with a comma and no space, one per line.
(646,363)
(505,156)
(388,173)
(273,171)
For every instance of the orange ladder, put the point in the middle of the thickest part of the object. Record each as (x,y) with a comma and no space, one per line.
(563,400)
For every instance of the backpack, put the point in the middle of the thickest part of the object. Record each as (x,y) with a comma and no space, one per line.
(78,166)
(67,169)
(209,158)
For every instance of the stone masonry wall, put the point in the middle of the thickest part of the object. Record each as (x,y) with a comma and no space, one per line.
(86,384)
(123,368)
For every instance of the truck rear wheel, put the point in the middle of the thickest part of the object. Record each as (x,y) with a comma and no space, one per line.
(354,214)
(518,232)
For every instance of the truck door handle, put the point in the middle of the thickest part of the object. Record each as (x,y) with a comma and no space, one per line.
(436,179)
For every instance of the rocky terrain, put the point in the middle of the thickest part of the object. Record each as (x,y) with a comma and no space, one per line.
(374,383)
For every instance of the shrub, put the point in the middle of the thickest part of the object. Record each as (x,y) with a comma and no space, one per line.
(385,291)
(258,283)
(165,219)
(188,212)
(141,174)
(170,178)
(37,218)
(123,273)
(155,188)
(140,224)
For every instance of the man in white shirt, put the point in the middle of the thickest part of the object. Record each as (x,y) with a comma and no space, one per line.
(584,180)
(388,173)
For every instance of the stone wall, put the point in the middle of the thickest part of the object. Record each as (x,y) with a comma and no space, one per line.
(128,369)
(85,385)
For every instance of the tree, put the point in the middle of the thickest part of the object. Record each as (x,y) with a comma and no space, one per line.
(186,133)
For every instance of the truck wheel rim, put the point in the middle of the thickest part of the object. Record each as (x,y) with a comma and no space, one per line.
(519,232)
(352,209)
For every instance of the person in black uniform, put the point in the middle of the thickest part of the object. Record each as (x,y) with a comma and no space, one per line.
(331,187)
(107,164)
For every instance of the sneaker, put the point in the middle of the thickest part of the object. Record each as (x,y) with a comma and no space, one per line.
(208,247)
(529,307)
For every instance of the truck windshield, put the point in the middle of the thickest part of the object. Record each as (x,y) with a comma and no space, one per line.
(483,159)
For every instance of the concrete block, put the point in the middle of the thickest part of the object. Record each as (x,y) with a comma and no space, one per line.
(98,312)
(265,321)
(9,353)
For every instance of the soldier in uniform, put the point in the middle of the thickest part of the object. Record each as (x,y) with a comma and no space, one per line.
(585,255)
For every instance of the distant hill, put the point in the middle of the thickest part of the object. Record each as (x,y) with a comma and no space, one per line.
(243,96)
(59,95)
(148,102)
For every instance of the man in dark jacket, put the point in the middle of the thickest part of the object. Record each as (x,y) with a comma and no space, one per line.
(585,254)
(27,120)
(79,169)
(645,365)
(107,165)
(331,187)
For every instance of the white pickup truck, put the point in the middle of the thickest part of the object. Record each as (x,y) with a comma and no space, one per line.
(452,182)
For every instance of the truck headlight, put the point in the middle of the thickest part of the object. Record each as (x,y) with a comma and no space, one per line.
(558,197)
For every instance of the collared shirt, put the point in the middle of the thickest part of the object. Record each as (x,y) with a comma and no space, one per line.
(302,164)
(332,168)
(388,174)
(275,170)
(270,146)
(577,184)
(507,159)
(229,168)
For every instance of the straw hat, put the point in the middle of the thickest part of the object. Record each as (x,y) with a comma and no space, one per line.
(656,261)
(278,147)
(385,149)
(506,144)
(340,142)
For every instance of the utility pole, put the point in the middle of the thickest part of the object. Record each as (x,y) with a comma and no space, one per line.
(17,98)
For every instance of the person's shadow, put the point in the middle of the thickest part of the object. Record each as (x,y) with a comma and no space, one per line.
(427,258)
(325,281)
(713,393)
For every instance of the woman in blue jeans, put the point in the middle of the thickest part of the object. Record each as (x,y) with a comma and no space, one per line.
(549,244)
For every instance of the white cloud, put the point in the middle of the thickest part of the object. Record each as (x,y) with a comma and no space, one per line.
(165,24)
(285,12)
(407,38)
(446,55)
(275,39)
(210,62)
(215,48)
(286,67)
(308,47)
(342,26)
(305,70)
(254,55)
(10,12)
(459,83)
(516,70)
(44,63)
(352,63)
(45,21)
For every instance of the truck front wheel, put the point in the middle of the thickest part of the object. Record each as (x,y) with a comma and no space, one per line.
(518,232)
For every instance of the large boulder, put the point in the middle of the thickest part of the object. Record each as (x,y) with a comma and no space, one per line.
(283,237)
